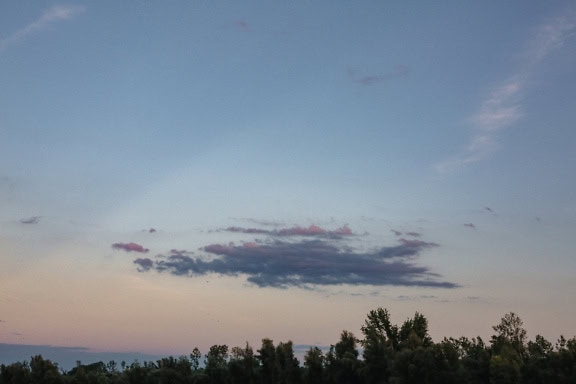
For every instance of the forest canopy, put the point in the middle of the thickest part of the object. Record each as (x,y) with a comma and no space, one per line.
(384,353)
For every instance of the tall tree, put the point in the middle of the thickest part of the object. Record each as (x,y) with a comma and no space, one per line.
(243,365)
(267,357)
(510,332)
(414,332)
(314,364)
(216,364)
(287,364)
(342,364)
(379,343)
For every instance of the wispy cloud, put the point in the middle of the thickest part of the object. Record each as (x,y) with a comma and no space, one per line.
(502,106)
(311,231)
(52,15)
(400,71)
(305,263)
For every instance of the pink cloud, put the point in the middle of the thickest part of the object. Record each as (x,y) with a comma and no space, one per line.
(130,247)
(312,230)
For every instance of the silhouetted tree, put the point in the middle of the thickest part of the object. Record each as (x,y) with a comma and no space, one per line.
(267,357)
(216,364)
(15,373)
(43,371)
(342,364)
(380,343)
(243,365)
(314,364)
(288,367)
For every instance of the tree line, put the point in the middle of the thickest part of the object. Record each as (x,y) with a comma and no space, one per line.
(386,353)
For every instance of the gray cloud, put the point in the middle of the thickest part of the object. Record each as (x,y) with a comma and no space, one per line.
(31,220)
(305,264)
(144,264)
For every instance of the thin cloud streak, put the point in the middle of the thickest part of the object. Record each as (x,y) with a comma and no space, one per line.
(502,107)
(367,80)
(311,231)
(52,15)
(305,264)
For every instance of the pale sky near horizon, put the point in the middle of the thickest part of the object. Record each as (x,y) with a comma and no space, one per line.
(181,174)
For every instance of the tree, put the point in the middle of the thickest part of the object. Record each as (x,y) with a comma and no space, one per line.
(343,366)
(505,366)
(15,373)
(267,357)
(43,371)
(287,365)
(216,364)
(509,332)
(475,359)
(243,365)
(379,343)
(195,358)
(314,364)
(414,332)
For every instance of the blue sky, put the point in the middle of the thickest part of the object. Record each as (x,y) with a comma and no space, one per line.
(185,174)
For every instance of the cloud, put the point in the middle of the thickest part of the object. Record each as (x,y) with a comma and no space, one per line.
(144,264)
(470,225)
(502,107)
(400,71)
(242,26)
(130,247)
(52,15)
(31,220)
(397,233)
(248,230)
(413,234)
(264,223)
(311,231)
(305,263)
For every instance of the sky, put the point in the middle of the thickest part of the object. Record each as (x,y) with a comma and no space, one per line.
(182,174)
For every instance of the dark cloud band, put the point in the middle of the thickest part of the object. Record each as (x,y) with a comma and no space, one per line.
(305,263)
